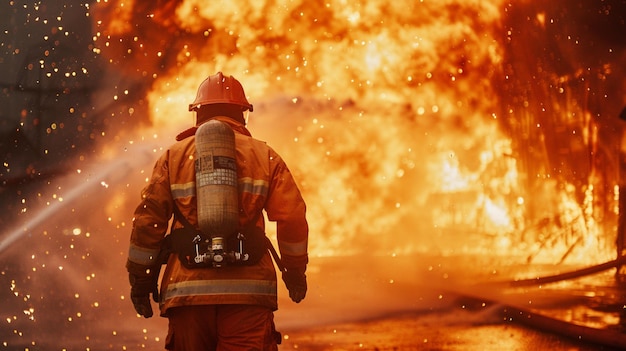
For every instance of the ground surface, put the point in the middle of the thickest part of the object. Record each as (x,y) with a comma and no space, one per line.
(353,303)
(400,304)
(446,331)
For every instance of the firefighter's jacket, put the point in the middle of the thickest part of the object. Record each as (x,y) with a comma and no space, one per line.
(264,183)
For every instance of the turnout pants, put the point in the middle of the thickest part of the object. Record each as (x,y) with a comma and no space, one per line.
(221,328)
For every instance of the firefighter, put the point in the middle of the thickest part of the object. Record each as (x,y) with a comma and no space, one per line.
(218,307)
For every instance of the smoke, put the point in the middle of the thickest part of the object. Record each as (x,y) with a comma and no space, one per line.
(63,275)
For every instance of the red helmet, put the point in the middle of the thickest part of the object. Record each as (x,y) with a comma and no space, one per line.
(218,89)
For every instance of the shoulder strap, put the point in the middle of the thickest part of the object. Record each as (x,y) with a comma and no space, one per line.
(179,216)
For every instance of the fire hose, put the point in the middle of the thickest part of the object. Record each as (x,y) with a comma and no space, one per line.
(605,337)
(570,275)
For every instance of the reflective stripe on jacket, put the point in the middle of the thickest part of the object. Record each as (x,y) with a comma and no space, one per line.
(265,183)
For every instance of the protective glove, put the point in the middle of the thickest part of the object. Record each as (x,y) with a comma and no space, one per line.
(295,280)
(141,286)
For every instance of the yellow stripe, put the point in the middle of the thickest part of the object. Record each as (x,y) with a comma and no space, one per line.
(221,287)
(254,186)
(142,256)
(293,249)
(247,184)
(183,190)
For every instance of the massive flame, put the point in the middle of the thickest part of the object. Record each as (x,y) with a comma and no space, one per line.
(382,110)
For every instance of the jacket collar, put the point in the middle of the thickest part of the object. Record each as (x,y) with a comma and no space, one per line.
(236,126)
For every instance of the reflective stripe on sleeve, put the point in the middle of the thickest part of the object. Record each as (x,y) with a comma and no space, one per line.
(293,249)
(253,186)
(183,190)
(221,287)
(142,256)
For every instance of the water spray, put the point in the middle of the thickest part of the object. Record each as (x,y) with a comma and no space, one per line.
(111,172)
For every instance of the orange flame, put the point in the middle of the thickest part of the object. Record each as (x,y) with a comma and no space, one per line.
(386,111)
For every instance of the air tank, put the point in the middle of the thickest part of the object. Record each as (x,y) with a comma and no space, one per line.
(216,181)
